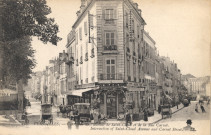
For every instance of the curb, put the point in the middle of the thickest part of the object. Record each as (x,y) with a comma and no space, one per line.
(172,113)
(17,122)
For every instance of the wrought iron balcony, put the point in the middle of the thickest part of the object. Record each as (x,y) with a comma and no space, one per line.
(76,62)
(111,77)
(110,47)
(70,59)
(92,53)
(81,60)
(86,57)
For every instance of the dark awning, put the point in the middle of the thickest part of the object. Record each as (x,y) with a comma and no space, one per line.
(80,91)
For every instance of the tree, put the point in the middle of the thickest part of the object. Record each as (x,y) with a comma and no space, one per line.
(18,61)
(22,19)
(28,18)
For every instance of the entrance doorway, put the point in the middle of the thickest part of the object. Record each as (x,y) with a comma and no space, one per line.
(111,105)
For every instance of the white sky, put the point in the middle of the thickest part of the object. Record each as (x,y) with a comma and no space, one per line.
(180,28)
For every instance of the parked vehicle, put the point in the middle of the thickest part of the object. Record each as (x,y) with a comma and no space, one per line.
(46,110)
(166,110)
(185,102)
(150,111)
(81,113)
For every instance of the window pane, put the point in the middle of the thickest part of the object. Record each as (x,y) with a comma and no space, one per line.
(107,14)
(112,41)
(107,42)
(107,35)
(111,14)
(112,35)
(108,62)
(108,70)
(112,62)
(113,69)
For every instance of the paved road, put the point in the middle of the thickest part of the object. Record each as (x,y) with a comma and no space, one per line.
(200,121)
(34,114)
(189,113)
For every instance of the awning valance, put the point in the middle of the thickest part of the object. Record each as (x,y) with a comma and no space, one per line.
(134,89)
(80,91)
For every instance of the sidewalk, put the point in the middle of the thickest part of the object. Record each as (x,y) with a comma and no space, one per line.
(153,119)
(157,117)
(8,121)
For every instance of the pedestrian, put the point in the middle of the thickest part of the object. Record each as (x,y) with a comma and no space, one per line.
(159,109)
(145,115)
(188,127)
(128,118)
(189,101)
(99,118)
(202,109)
(69,124)
(196,108)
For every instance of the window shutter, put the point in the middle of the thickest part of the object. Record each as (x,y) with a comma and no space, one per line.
(85,28)
(91,21)
(76,38)
(103,13)
(115,14)
(80,33)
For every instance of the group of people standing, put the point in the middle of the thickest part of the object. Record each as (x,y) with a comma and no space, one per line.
(201,104)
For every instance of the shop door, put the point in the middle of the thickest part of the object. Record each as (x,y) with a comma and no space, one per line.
(111,105)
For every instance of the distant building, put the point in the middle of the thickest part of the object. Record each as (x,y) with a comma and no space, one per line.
(200,85)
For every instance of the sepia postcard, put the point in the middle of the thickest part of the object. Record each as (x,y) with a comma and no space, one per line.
(103,67)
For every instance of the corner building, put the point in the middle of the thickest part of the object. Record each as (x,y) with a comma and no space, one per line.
(111,58)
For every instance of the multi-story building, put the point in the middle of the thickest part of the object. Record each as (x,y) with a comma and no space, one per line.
(109,50)
(200,85)
(172,80)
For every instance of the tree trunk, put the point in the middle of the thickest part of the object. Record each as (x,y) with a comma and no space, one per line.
(1,66)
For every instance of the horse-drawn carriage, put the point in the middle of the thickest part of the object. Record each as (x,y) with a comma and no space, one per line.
(81,113)
(166,110)
(46,113)
(65,110)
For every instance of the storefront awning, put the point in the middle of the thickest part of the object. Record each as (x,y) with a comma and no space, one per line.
(80,91)
(135,89)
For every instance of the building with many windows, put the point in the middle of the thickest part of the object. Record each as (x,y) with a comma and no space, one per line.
(111,62)
(111,58)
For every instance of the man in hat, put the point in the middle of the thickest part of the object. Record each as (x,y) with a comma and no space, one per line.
(188,127)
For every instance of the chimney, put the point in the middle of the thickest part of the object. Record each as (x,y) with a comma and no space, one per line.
(135,5)
(83,5)
(83,2)
(78,13)
(139,11)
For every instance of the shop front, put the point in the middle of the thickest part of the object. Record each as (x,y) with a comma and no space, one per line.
(111,101)
(80,96)
(138,99)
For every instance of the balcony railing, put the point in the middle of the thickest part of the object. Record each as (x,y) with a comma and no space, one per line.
(70,59)
(111,77)
(86,57)
(92,53)
(110,47)
(76,62)
(81,60)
